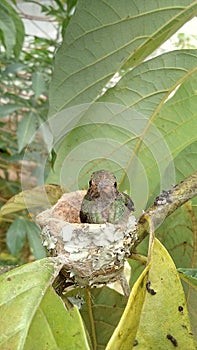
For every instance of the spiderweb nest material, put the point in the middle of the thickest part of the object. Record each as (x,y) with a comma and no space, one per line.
(92,254)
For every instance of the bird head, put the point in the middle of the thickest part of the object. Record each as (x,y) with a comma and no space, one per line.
(103,182)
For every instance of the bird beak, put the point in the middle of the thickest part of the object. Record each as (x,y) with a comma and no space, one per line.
(103,186)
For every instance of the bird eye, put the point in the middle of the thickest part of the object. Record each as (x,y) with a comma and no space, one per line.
(90,183)
(115,184)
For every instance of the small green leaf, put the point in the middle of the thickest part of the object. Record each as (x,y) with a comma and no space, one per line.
(16,236)
(70,4)
(46,133)
(33,234)
(38,84)
(8,109)
(13,68)
(189,276)
(26,130)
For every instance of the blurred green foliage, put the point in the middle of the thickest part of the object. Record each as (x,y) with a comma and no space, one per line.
(25,71)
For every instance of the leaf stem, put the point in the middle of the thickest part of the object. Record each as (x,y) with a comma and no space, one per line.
(91,317)
(138,257)
(6,220)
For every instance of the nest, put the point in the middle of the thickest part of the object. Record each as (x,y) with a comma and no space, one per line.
(91,254)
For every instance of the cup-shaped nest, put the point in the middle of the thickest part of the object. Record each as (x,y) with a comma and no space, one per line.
(91,253)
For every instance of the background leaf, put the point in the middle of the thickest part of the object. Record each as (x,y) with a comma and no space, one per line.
(189,275)
(189,154)
(12,29)
(16,236)
(8,31)
(19,231)
(35,243)
(38,84)
(107,307)
(8,109)
(178,115)
(26,130)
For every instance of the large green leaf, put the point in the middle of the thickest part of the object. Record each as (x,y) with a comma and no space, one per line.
(178,117)
(103,38)
(143,145)
(120,139)
(146,89)
(40,319)
(61,329)
(141,134)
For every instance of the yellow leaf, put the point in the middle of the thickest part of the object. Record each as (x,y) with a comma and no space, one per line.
(41,196)
(156,315)
(124,335)
(164,322)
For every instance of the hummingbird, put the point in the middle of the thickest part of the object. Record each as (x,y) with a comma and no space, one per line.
(103,202)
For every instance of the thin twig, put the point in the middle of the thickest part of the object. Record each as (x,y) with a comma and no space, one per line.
(6,220)
(124,284)
(92,324)
(36,18)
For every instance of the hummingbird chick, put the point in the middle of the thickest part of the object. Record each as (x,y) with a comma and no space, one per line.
(103,202)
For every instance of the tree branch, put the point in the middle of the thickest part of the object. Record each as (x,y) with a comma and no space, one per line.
(166,204)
